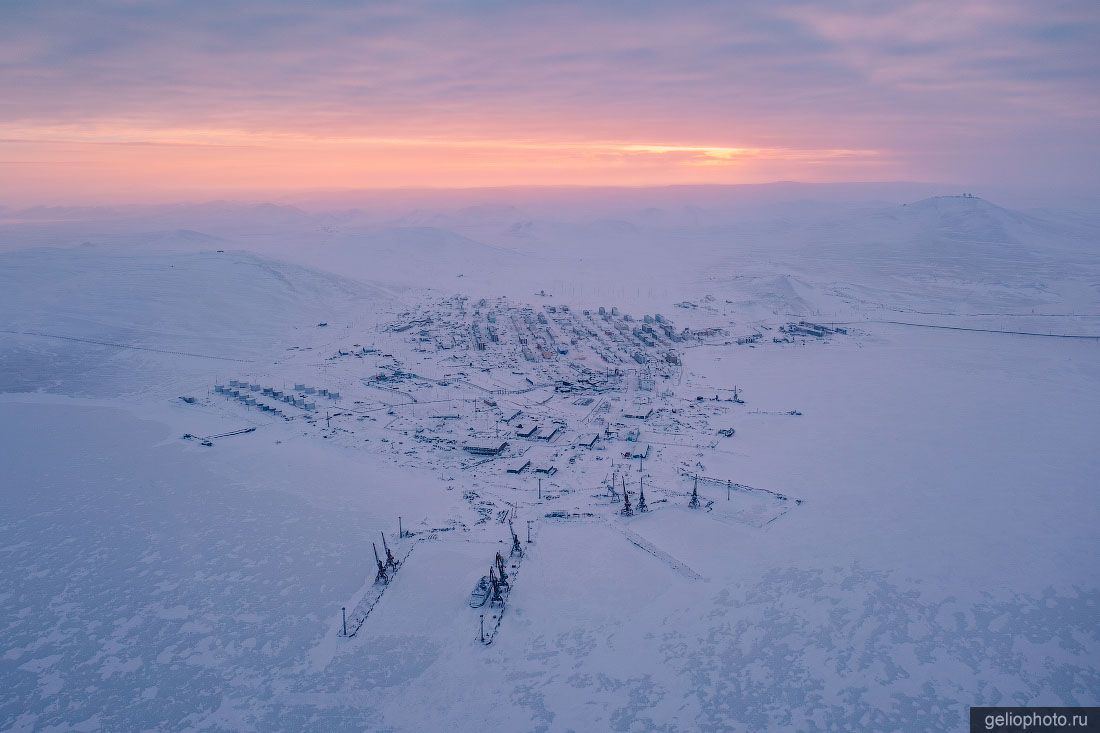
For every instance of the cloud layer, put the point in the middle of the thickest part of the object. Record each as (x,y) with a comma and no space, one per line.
(173,96)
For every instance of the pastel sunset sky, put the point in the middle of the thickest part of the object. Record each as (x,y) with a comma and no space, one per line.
(133,101)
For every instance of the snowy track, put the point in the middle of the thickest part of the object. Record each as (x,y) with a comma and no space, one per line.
(1087,337)
(125,346)
(637,540)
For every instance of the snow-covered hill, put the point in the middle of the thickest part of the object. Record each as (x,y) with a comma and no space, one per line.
(419,256)
(94,318)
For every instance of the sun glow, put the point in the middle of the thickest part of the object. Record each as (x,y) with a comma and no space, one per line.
(134,158)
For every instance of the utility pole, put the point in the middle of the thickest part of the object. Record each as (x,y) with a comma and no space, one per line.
(540,488)
(400,531)
(482,628)
(344,611)
(529,531)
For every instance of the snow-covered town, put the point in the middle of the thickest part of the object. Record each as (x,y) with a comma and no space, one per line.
(557,367)
(534,416)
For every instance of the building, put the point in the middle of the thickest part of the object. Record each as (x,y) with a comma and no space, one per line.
(486,449)
(551,435)
(638,412)
(520,466)
(588,440)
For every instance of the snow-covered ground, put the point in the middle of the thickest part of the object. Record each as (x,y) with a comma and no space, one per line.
(902,525)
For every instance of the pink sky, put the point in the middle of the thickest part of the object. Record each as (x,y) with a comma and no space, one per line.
(153,101)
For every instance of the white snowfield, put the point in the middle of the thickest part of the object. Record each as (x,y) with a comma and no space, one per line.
(904,522)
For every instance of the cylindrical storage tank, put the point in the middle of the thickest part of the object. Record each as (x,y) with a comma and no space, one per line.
(333,395)
(254,387)
(310,390)
(299,387)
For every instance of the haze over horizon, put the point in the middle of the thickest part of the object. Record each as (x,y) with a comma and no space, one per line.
(116,102)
